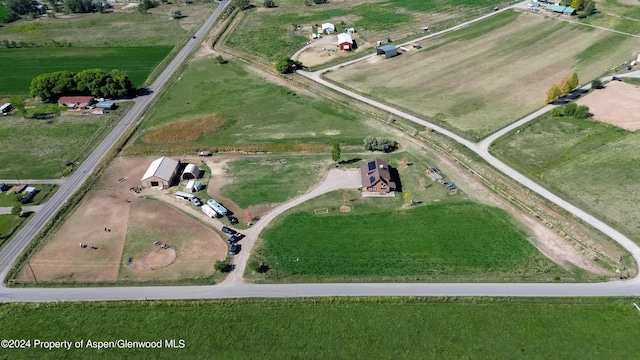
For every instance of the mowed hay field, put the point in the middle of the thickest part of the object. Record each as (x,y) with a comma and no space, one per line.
(592,163)
(489,74)
(335,328)
(453,242)
(133,224)
(22,65)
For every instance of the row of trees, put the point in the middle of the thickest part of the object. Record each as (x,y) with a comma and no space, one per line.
(571,109)
(564,87)
(284,64)
(96,82)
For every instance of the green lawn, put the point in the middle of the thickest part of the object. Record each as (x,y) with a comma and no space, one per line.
(591,163)
(441,240)
(9,224)
(45,191)
(37,149)
(264,180)
(22,65)
(258,115)
(335,328)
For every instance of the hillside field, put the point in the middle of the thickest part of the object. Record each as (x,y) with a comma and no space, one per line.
(335,328)
(482,77)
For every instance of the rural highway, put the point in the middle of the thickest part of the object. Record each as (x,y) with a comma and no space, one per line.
(234,288)
(67,188)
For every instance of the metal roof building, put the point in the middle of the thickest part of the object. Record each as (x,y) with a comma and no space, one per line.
(345,42)
(387,50)
(160,173)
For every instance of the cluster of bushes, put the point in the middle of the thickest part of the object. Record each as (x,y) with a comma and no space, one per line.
(24,44)
(284,64)
(380,144)
(571,109)
(96,82)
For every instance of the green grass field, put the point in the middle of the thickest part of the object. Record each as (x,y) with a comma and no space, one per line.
(427,242)
(616,15)
(259,115)
(480,78)
(45,191)
(24,64)
(38,149)
(9,224)
(335,328)
(591,163)
(265,180)
(271,33)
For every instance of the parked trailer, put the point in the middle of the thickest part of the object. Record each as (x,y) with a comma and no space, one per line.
(209,211)
(217,207)
(6,108)
(183,195)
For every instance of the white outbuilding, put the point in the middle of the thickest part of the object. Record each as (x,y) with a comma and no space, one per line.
(328,28)
(191,172)
(160,173)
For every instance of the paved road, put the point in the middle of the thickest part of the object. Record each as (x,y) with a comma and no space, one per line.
(11,252)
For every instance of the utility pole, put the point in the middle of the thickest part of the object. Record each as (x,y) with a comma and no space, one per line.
(32,273)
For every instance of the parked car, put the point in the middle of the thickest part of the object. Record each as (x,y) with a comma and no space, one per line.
(228,230)
(235,249)
(232,219)
(196,201)
(204,153)
(615,78)
(235,238)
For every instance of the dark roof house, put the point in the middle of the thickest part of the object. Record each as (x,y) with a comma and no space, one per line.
(376,177)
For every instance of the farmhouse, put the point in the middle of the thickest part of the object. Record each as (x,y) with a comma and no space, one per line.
(388,51)
(345,42)
(76,102)
(328,28)
(559,9)
(191,172)
(160,173)
(376,177)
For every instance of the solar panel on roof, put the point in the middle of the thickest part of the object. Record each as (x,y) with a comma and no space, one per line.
(371,165)
(372,179)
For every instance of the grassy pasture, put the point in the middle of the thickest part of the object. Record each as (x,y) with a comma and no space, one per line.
(424,243)
(597,170)
(616,15)
(36,149)
(335,328)
(258,114)
(482,77)
(265,180)
(269,32)
(9,224)
(24,64)
(113,29)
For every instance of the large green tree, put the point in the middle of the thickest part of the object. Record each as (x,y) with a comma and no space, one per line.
(95,82)
(335,152)
(20,7)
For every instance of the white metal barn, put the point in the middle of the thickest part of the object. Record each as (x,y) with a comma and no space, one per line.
(160,173)
(191,172)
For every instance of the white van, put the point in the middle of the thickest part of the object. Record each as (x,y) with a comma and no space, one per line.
(209,211)
(184,196)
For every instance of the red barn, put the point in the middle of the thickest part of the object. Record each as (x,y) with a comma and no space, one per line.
(345,42)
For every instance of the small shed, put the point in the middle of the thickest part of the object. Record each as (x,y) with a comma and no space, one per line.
(388,51)
(191,186)
(19,188)
(345,42)
(328,28)
(197,186)
(109,105)
(191,172)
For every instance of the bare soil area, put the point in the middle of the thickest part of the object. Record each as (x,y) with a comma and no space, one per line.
(102,221)
(617,104)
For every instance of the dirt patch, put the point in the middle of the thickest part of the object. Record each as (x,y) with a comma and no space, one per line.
(345,209)
(101,221)
(617,104)
(157,258)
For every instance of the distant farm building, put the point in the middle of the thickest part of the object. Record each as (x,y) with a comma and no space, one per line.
(108,105)
(328,28)
(559,9)
(376,177)
(388,51)
(4,109)
(76,102)
(160,173)
(191,172)
(345,42)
